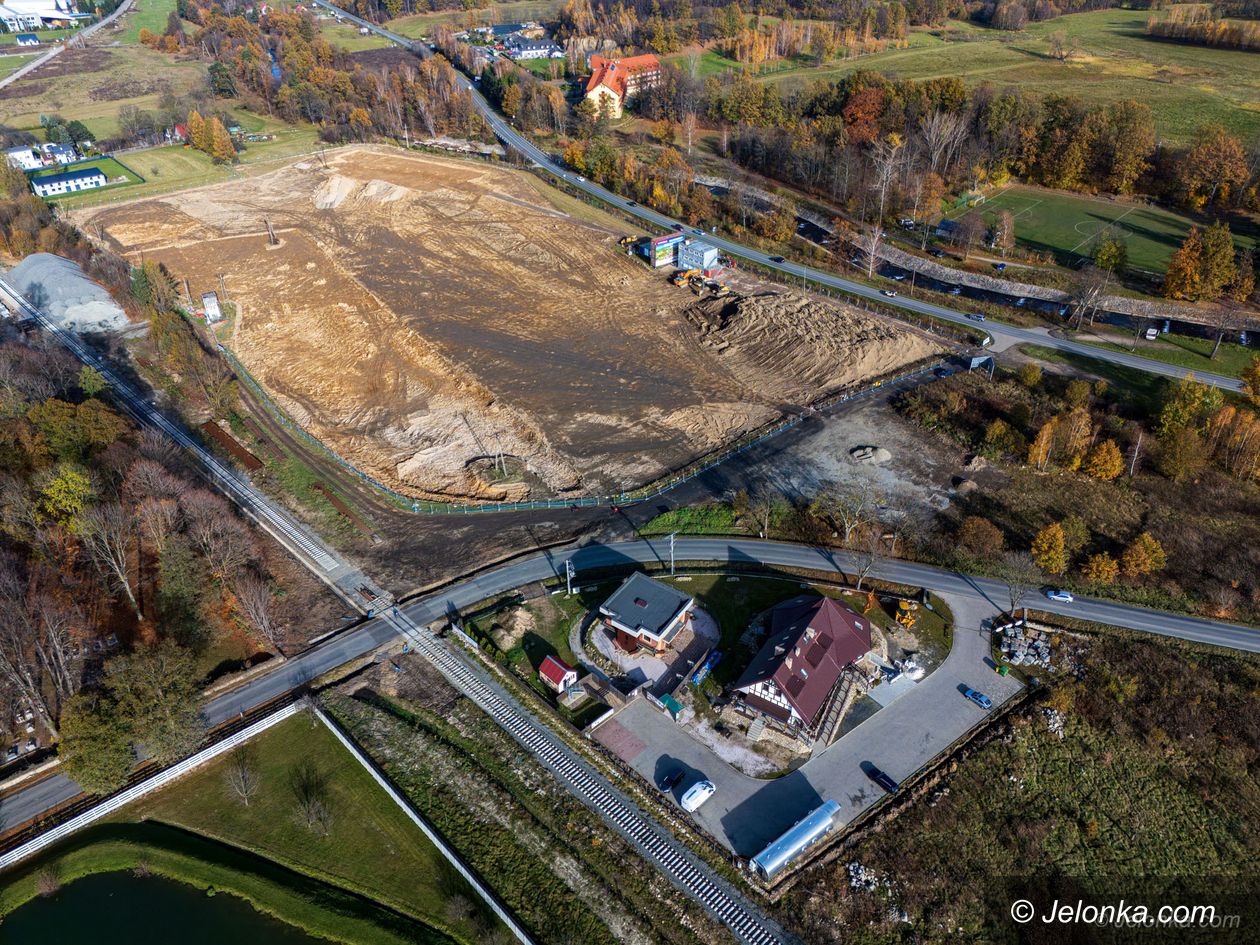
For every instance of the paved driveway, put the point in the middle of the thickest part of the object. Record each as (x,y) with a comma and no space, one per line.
(747,813)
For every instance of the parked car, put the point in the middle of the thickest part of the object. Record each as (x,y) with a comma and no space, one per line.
(1059,596)
(670,780)
(679,227)
(979,698)
(882,779)
(956,290)
(698,232)
(777,259)
(1000,267)
(891,293)
(944,372)
(1021,302)
(936,253)
(976,316)
(696,795)
(582,179)
(900,277)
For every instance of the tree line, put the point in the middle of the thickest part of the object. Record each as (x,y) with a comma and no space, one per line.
(1199,23)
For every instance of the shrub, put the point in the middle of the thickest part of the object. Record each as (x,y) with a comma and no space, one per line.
(1101,568)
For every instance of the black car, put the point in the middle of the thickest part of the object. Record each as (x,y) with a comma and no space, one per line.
(777,259)
(937,253)
(670,780)
(882,779)
(631,204)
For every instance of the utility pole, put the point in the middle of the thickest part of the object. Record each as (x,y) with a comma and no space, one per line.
(568,576)
(672,536)
(222,289)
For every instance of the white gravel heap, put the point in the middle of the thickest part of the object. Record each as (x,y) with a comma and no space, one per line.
(60,289)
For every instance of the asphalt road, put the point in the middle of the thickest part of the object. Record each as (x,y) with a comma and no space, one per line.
(1011,333)
(44,795)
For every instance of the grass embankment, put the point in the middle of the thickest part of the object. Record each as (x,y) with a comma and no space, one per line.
(299,900)
(514,11)
(564,874)
(11,64)
(1153,783)
(1186,86)
(144,14)
(1193,353)
(373,877)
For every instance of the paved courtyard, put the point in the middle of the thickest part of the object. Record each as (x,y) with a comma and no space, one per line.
(747,813)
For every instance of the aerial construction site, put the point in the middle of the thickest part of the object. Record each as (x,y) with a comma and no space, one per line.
(458,330)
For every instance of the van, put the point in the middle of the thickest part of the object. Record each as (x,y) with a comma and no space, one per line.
(696,795)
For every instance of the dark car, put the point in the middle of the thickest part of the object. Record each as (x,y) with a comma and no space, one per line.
(670,780)
(882,779)
(943,372)
(937,253)
(631,203)
(777,259)
(1000,267)
(679,227)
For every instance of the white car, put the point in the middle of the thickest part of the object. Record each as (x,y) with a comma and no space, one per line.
(696,795)
(1060,596)
(889,292)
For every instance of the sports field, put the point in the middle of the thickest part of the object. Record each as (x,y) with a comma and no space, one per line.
(114,170)
(1067,225)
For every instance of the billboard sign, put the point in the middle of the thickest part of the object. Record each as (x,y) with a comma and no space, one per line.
(664,249)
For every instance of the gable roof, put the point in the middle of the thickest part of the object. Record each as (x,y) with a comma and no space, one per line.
(642,604)
(554,670)
(81,174)
(812,639)
(613,73)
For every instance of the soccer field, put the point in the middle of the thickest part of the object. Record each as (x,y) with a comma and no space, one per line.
(1068,225)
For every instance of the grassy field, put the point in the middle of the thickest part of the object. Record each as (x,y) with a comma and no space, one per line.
(346,36)
(371,848)
(1186,86)
(176,167)
(145,14)
(11,64)
(92,84)
(48,36)
(1187,352)
(515,11)
(1068,224)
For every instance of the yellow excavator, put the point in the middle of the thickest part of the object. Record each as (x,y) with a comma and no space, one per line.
(684,276)
(627,240)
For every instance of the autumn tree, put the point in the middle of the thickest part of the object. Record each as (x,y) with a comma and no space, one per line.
(1183,278)
(222,150)
(980,537)
(157,692)
(1111,253)
(1042,449)
(95,745)
(1213,170)
(1101,568)
(1104,461)
(1144,555)
(1217,269)
(198,132)
(1251,380)
(1029,374)
(1049,549)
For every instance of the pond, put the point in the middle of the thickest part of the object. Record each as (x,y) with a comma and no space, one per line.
(125,909)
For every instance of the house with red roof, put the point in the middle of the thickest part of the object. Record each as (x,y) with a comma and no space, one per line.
(557,674)
(813,641)
(614,82)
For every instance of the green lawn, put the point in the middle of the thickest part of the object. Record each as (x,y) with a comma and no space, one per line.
(53,36)
(145,14)
(1068,224)
(1186,86)
(371,848)
(346,36)
(1194,353)
(11,64)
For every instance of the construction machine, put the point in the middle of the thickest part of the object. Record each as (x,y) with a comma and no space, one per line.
(684,276)
(627,240)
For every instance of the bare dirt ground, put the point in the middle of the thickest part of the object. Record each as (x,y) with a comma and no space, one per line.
(421,314)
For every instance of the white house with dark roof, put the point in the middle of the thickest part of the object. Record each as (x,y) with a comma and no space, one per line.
(644,614)
(68,182)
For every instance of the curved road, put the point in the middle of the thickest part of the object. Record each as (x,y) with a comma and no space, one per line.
(983,592)
(1010,333)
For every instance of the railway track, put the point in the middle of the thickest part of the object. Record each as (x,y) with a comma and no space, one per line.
(644,834)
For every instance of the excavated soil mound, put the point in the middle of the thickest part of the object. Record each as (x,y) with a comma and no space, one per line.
(421,314)
(793,349)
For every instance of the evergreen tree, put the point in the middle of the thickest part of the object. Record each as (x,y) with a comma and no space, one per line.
(1216,267)
(222,150)
(198,134)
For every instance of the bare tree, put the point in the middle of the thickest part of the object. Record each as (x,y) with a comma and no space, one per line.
(21,666)
(310,788)
(254,597)
(223,538)
(849,509)
(241,775)
(1020,574)
(942,133)
(869,550)
(1088,291)
(689,129)
(109,538)
(157,518)
(869,241)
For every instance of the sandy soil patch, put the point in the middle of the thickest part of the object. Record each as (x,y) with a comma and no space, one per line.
(423,313)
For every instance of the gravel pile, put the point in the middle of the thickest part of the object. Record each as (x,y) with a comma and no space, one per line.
(63,292)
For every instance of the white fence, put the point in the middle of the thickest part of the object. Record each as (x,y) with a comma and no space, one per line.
(160,779)
(434,837)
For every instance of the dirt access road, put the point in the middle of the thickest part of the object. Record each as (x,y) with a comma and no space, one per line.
(421,314)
